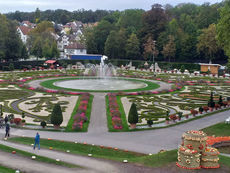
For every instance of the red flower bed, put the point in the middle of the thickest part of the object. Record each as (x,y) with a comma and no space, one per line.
(114,111)
(80,117)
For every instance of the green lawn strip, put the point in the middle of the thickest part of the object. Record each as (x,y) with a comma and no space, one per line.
(81,149)
(38,158)
(220,129)
(4,169)
(88,114)
(49,84)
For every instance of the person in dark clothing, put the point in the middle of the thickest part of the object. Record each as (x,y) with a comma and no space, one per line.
(6,119)
(37,141)
(7,130)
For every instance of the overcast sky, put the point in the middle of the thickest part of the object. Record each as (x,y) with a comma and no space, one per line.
(71,5)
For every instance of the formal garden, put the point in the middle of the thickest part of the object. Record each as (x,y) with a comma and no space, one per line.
(163,99)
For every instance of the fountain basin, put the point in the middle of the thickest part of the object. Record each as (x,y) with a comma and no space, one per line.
(99,84)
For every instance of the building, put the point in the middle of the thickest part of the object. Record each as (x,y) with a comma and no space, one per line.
(213,68)
(74,49)
(23,32)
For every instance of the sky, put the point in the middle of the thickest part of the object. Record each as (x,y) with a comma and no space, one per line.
(71,5)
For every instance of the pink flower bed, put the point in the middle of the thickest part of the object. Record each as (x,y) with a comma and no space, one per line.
(114,112)
(80,116)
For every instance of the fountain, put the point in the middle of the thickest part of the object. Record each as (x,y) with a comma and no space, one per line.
(103,79)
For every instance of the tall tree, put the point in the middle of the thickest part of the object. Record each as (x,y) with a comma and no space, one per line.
(169,49)
(3,35)
(24,53)
(13,43)
(132,47)
(37,15)
(223,33)
(150,48)
(207,42)
(112,45)
(154,22)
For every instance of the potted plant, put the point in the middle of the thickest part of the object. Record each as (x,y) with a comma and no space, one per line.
(205,108)
(167,120)
(43,124)
(173,117)
(150,122)
(180,114)
(201,110)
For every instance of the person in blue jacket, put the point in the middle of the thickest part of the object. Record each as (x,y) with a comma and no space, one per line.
(7,130)
(37,141)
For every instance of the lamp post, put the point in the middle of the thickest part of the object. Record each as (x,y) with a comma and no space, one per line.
(154,49)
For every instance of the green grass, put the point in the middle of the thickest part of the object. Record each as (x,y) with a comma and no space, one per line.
(155,160)
(12,94)
(88,114)
(220,129)
(38,158)
(6,170)
(49,84)
(80,149)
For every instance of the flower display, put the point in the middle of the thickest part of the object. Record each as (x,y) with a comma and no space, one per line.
(80,116)
(114,111)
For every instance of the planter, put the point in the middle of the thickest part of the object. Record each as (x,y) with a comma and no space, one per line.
(167,122)
(200,112)
(186,116)
(56,126)
(132,126)
(211,109)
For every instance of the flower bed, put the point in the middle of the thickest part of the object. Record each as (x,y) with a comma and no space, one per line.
(80,117)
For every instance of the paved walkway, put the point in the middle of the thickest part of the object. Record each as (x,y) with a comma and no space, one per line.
(150,141)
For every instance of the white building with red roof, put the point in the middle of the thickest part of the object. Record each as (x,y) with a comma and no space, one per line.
(23,32)
(75,49)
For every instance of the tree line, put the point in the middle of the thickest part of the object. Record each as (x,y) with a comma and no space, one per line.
(11,46)
(184,33)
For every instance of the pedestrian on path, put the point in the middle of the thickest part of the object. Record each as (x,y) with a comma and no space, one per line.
(37,141)
(6,119)
(7,130)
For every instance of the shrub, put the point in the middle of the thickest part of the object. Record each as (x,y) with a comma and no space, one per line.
(133,115)
(173,117)
(182,69)
(220,102)
(211,103)
(56,116)
(43,124)
(150,122)
(17,121)
(201,109)
(11,67)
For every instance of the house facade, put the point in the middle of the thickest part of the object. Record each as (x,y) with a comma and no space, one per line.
(74,49)
(23,33)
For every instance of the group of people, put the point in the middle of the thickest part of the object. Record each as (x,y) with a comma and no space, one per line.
(7,134)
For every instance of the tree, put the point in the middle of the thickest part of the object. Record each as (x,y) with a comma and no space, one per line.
(56,115)
(150,48)
(182,69)
(169,49)
(24,53)
(112,45)
(220,102)
(11,67)
(223,33)
(207,42)
(13,43)
(37,48)
(211,103)
(132,47)
(133,115)
(37,15)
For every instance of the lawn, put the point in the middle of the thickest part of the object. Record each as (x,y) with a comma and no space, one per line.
(6,170)
(220,129)
(155,160)
(38,158)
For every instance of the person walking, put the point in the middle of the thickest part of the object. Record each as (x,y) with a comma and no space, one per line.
(7,130)
(6,119)
(37,141)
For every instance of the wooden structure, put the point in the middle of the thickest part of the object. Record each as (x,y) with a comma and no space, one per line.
(213,68)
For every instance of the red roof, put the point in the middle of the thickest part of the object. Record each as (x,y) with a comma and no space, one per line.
(50,61)
(75,46)
(25,30)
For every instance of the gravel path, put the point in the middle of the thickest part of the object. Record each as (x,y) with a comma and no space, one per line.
(150,141)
